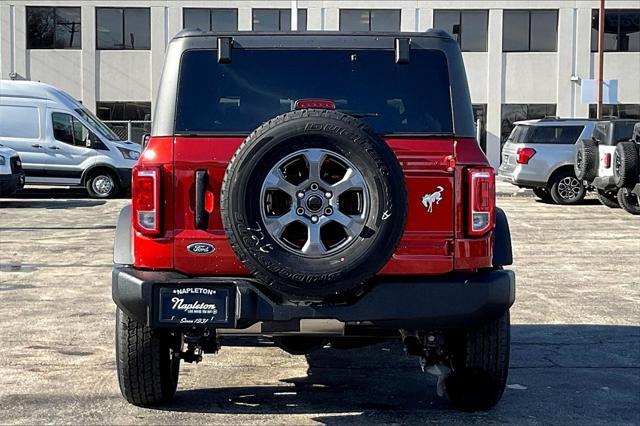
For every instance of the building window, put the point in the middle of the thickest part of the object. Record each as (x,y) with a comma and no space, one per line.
(621,30)
(530,31)
(123,28)
(53,28)
(358,20)
(619,111)
(211,19)
(123,111)
(117,115)
(468,27)
(518,112)
(277,20)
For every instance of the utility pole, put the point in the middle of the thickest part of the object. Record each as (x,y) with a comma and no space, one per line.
(599,78)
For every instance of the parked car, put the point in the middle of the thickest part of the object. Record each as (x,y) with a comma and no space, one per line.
(11,173)
(626,170)
(539,155)
(61,142)
(593,157)
(330,205)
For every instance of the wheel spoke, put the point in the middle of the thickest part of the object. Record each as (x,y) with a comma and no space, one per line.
(276,180)
(351,180)
(314,245)
(347,222)
(315,158)
(277,225)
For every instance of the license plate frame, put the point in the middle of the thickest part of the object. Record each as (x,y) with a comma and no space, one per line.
(210,306)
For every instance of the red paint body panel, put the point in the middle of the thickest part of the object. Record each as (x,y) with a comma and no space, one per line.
(433,243)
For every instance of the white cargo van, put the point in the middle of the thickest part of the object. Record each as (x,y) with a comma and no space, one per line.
(60,142)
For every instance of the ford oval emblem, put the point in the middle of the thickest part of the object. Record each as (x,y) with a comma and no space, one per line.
(201,248)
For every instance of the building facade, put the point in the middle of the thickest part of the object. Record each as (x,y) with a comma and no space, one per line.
(524,59)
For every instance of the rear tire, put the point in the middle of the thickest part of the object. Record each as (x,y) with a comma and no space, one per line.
(586,160)
(480,364)
(629,201)
(608,198)
(543,194)
(147,370)
(625,165)
(567,189)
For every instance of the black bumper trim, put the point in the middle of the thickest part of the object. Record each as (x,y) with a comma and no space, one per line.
(11,183)
(451,301)
(125,178)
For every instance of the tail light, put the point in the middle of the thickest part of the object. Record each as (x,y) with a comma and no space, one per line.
(482,200)
(314,103)
(145,198)
(607,160)
(524,155)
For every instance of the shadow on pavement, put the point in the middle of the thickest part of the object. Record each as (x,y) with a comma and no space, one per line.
(53,198)
(559,374)
(50,204)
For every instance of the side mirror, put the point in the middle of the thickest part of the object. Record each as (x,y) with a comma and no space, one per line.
(88,142)
(145,140)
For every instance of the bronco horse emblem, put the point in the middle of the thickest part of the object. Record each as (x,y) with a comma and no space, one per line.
(428,200)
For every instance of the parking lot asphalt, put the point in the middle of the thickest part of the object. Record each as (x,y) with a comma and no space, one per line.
(575,335)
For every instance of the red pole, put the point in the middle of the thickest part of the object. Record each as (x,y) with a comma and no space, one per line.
(599,78)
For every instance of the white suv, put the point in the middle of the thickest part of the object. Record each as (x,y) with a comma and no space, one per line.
(539,155)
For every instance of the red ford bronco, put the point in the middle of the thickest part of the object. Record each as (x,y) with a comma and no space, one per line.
(313,189)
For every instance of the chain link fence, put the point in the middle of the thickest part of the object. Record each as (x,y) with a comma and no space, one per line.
(131,130)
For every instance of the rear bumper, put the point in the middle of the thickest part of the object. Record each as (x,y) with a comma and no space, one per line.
(521,177)
(11,183)
(452,301)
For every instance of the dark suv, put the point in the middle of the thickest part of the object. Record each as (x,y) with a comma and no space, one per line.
(314,189)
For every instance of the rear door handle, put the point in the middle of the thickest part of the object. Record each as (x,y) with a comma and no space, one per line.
(54,147)
(201,215)
(37,146)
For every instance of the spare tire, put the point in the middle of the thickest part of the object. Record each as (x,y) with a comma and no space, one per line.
(625,165)
(314,204)
(586,160)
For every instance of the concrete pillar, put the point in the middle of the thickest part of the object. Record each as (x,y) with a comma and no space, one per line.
(174,22)
(331,19)
(245,19)
(583,57)
(495,86)
(159,21)
(566,58)
(314,18)
(425,19)
(408,19)
(89,70)
(6,40)
(20,41)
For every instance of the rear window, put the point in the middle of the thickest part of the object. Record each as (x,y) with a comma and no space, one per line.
(546,134)
(622,132)
(260,84)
